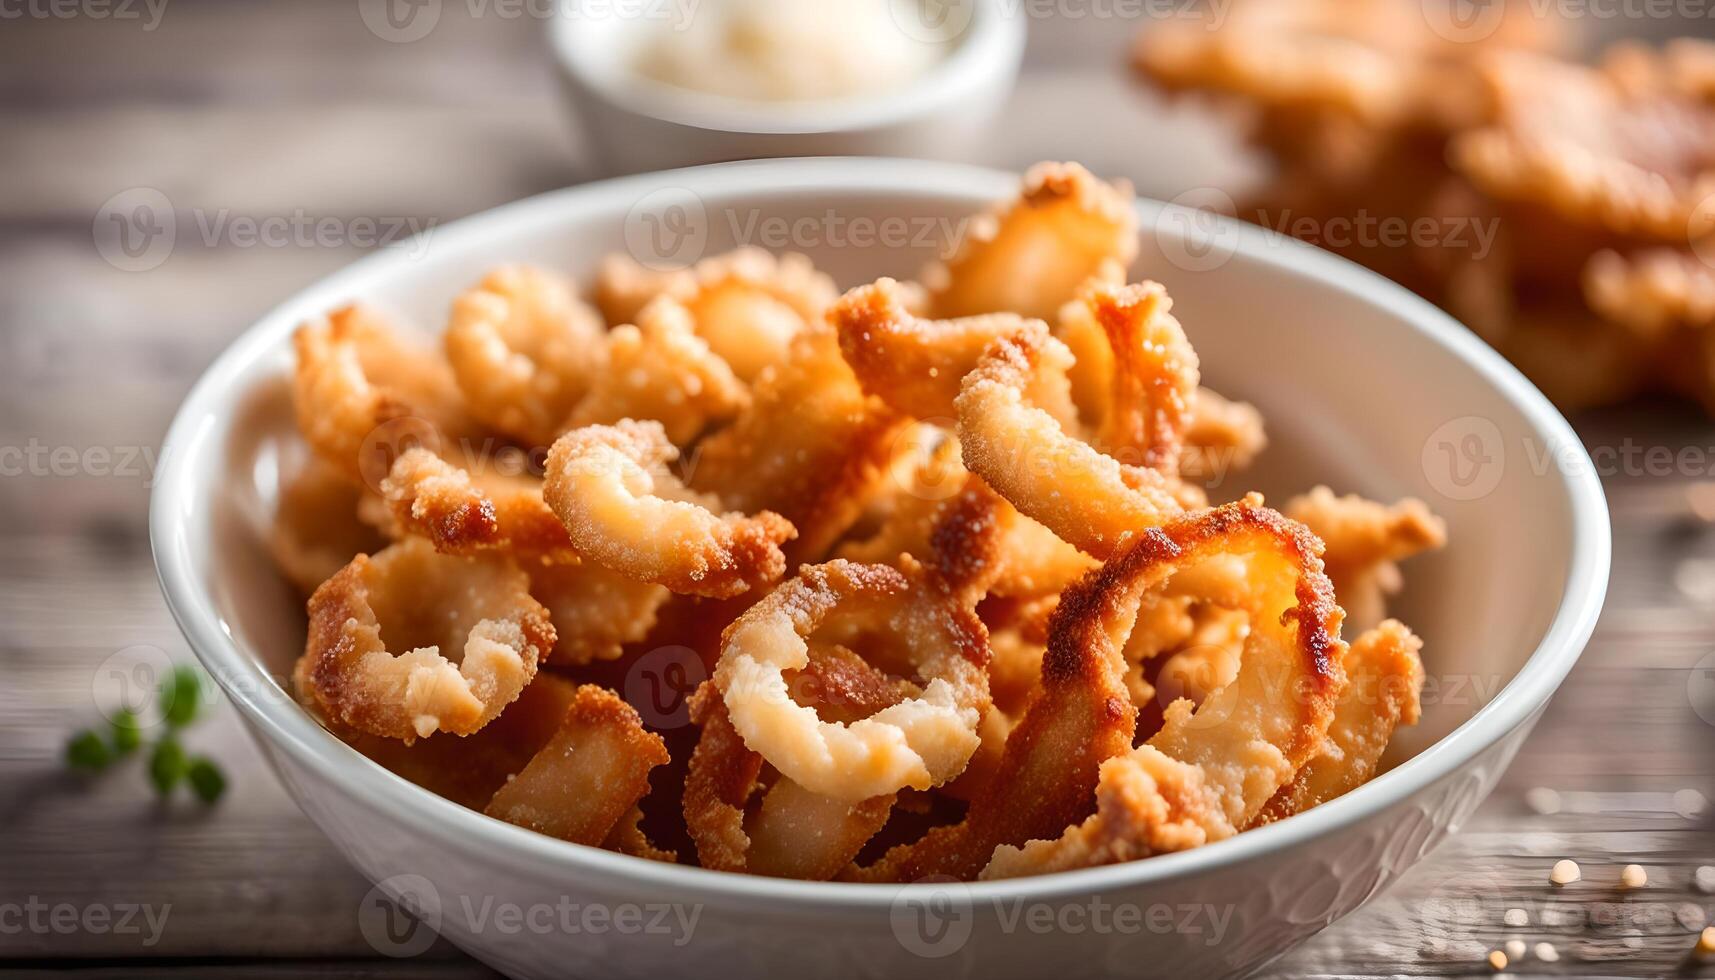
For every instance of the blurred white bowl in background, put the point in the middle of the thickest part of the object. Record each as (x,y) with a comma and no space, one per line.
(631,122)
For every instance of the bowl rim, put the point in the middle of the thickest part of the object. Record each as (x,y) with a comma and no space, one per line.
(274,715)
(992,48)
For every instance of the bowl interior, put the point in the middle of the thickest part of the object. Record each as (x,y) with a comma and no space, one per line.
(1353,395)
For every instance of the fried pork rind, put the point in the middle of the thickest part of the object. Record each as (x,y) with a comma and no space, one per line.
(1247,741)
(1030,256)
(1224,436)
(588,776)
(473,637)
(1652,292)
(1084,496)
(491,504)
(524,349)
(660,369)
(748,304)
(1384,678)
(917,743)
(963,689)
(361,391)
(792,832)
(316,526)
(1211,769)
(595,610)
(1364,540)
(467,769)
(975,542)
(915,364)
(1598,161)
(812,447)
(609,485)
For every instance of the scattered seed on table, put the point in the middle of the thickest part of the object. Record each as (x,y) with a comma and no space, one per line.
(1497,960)
(1565,872)
(1704,879)
(1542,800)
(1633,876)
(1516,949)
(1517,918)
(1546,952)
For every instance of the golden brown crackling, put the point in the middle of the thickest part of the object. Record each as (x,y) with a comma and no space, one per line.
(1155,374)
(912,363)
(812,448)
(466,510)
(621,508)
(585,780)
(903,613)
(1384,682)
(1364,542)
(524,349)
(1083,495)
(359,387)
(1084,715)
(392,640)
(792,832)
(1030,255)
(316,526)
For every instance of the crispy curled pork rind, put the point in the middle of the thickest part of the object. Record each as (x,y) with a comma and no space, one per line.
(360,390)
(1084,496)
(1224,436)
(660,369)
(1384,679)
(1152,389)
(1030,256)
(1244,743)
(793,832)
(915,364)
(602,482)
(588,776)
(812,447)
(1651,292)
(595,610)
(467,769)
(627,837)
(524,349)
(1379,65)
(973,540)
(316,526)
(1364,540)
(492,503)
(1573,143)
(624,286)
(918,743)
(471,633)
(748,304)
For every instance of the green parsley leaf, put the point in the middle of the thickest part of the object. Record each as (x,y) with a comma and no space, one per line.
(87,751)
(180,696)
(167,765)
(206,779)
(126,733)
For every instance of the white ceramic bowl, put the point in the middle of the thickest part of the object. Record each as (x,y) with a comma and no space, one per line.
(632,124)
(1364,386)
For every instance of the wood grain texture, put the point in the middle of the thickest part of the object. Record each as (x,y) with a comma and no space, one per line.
(263,109)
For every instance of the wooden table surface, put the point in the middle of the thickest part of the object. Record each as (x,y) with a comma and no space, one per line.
(250,110)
